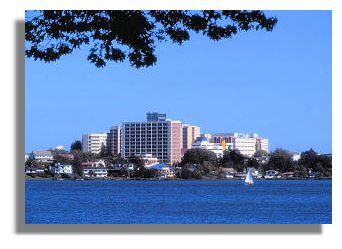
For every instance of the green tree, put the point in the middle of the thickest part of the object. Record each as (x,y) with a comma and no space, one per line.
(77,165)
(233,159)
(115,35)
(252,163)
(326,163)
(260,153)
(317,163)
(103,152)
(308,158)
(137,161)
(199,156)
(207,167)
(280,160)
(191,173)
(76,145)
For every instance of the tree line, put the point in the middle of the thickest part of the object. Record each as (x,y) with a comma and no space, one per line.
(199,163)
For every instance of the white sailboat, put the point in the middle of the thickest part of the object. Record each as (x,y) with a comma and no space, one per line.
(249,178)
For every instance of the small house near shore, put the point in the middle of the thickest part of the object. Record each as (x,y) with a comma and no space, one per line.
(94,169)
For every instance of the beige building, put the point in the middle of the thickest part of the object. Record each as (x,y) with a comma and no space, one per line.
(262,144)
(93,142)
(114,140)
(190,134)
(246,144)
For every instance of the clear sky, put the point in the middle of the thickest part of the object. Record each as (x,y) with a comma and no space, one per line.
(277,84)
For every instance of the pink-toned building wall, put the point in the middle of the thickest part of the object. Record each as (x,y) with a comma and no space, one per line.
(176,142)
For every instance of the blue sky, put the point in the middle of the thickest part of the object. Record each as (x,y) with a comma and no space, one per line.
(277,84)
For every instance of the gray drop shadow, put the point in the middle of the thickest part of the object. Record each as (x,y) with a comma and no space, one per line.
(22,228)
(19,103)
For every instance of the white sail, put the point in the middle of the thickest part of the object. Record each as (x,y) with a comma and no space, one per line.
(249,178)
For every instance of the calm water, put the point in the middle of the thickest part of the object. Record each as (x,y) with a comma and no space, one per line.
(178,202)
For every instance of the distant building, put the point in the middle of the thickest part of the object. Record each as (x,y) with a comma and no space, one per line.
(93,142)
(271,174)
(157,136)
(61,169)
(114,140)
(190,134)
(94,169)
(217,148)
(35,170)
(59,147)
(246,144)
(295,156)
(67,156)
(42,155)
(148,159)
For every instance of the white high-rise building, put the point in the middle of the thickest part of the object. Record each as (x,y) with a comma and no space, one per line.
(217,148)
(93,142)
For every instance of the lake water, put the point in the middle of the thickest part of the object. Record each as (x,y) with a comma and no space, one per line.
(178,202)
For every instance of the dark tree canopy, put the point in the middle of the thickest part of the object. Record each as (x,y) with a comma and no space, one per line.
(281,160)
(233,159)
(76,145)
(308,158)
(199,156)
(317,163)
(115,35)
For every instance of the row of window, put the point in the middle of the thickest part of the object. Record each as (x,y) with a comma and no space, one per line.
(146,148)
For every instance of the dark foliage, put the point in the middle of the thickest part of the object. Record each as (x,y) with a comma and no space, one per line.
(280,160)
(316,163)
(66,176)
(308,158)
(115,35)
(233,159)
(137,161)
(253,163)
(187,173)
(199,156)
(77,145)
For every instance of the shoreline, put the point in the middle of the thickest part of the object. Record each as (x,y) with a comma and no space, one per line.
(169,179)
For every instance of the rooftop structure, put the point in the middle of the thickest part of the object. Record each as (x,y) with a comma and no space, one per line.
(41,155)
(155,117)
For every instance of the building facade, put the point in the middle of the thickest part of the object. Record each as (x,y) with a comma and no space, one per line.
(94,169)
(61,169)
(93,142)
(157,136)
(41,155)
(114,140)
(217,148)
(246,144)
(190,134)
